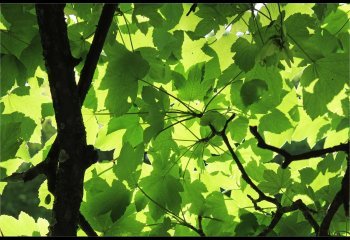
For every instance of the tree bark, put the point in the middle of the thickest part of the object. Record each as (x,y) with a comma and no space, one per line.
(70,128)
(65,178)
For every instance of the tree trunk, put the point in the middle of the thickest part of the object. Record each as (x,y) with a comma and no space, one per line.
(70,127)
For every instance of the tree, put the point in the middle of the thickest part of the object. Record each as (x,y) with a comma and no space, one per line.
(177,119)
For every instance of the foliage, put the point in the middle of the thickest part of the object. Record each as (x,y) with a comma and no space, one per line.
(173,101)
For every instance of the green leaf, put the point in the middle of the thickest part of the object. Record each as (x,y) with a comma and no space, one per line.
(230,73)
(122,122)
(332,73)
(162,229)
(213,118)
(229,61)
(123,71)
(252,91)
(203,28)
(127,225)
(103,199)
(274,182)
(215,205)
(159,71)
(245,54)
(335,21)
(151,12)
(164,144)
(25,225)
(156,104)
(10,139)
(31,56)
(275,122)
(235,94)
(195,87)
(331,164)
(12,70)
(172,14)
(91,99)
(21,31)
(307,175)
(165,190)
(140,201)
(238,128)
(193,194)
(297,25)
(296,148)
(247,226)
(129,163)
(301,227)
(45,197)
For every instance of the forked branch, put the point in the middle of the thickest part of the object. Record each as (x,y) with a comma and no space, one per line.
(289,158)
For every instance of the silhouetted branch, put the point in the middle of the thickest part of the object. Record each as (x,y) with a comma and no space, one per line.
(27,175)
(256,206)
(342,197)
(192,9)
(332,209)
(306,212)
(288,158)
(86,227)
(297,205)
(245,176)
(228,121)
(94,53)
(200,227)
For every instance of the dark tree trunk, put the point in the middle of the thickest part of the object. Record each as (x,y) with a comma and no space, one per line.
(70,127)
(69,155)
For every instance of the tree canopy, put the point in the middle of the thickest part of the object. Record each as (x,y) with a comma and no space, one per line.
(176,119)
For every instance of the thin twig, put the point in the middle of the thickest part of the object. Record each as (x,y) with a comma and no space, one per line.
(268,10)
(176,98)
(298,45)
(127,26)
(256,23)
(234,78)
(171,125)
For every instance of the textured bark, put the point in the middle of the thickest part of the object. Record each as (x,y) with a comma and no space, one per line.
(71,132)
(69,151)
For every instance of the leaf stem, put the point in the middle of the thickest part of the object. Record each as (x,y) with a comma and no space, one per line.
(179,100)
(127,26)
(207,105)
(299,46)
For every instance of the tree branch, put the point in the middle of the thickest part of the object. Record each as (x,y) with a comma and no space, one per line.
(245,176)
(86,227)
(94,53)
(228,121)
(342,197)
(288,158)
(200,227)
(297,205)
(276,218)
(192,9)
(27,175)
